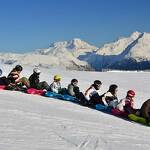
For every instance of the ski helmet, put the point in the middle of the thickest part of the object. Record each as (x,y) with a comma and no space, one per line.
(18,68)
(131,93)
(36,70)
(57,77)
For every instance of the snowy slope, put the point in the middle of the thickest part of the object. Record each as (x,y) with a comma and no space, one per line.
(31,122)
(63,60)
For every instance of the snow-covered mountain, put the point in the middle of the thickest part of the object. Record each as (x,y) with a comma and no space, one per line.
(59,54)
(127,53)
(118,46)
(76,47)
(132,53)
(141,50)
(62,60)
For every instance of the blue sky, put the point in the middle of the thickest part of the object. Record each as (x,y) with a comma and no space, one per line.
(27,25)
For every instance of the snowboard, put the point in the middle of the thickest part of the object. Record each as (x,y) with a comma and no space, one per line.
(61,96)
(35,91)
(138,119)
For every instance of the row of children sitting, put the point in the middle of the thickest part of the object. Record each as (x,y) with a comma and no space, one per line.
(124,107)
(90,98)
(14,81)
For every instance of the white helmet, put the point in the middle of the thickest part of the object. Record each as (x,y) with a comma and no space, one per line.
(37,70)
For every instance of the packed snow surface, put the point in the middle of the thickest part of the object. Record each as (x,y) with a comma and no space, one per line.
(30,122)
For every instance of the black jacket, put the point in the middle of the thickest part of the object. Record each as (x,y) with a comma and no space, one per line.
(34,80)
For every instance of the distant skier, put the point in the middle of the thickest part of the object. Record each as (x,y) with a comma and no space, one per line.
(56,85)
(35,81)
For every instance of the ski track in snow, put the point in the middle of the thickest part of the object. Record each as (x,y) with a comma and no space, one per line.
(30,122)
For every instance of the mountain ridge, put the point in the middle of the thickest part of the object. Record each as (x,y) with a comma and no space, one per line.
(77,54)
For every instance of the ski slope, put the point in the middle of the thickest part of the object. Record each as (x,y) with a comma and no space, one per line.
(30,122)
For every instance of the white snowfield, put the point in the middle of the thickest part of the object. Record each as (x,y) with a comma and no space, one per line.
(30,122)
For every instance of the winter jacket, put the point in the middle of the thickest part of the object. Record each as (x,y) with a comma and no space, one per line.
(125,104)
(106,99)
(13,76)
(34,80)
(4,81)
(55,87)
(90,92)
(145,110)
(73,90)
(110,100)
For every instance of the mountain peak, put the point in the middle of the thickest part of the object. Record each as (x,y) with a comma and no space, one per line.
(136,34)
(77,43)
(72,45)
(77,40)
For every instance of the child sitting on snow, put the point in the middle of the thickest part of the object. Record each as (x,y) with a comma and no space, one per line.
(93,90)
(107,99)
(56,85)
(35,81)
(73,88)
(14,79)
(127,104)
(110,97)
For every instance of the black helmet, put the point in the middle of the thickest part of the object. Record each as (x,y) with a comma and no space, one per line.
(18,68)
(74,80)
(97,82)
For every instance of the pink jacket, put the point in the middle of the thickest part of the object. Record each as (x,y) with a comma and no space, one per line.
(129,102)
